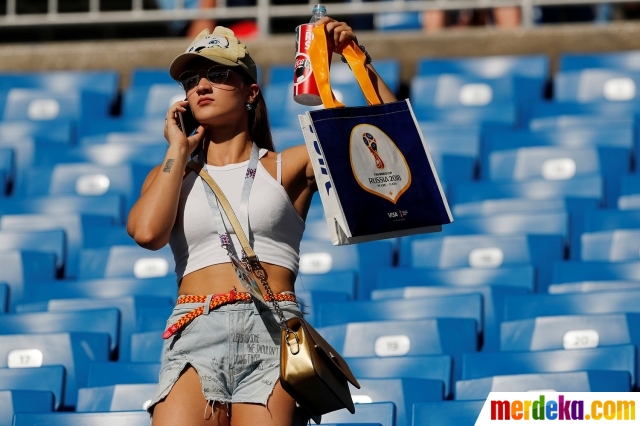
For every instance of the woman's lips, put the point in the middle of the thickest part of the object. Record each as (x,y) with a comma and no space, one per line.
(203,101)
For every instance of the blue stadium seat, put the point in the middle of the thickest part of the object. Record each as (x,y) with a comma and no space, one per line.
(118,373)
(506,114)
(106,236)
(121,397)
(402,392)
(51,241)
(630,190)
(319,257)
(132,418)
(567,272)
(570,332)
(486,251)
(24,153)
(446,413)
(152,318)
(518,276)
(108,154)
(627,60)
(543,305)
(59,132)
(452,141)
(39,105)
(531,66)
(4,183)
(452,169)
(610,246)
(557,122)
(104,205)
(23,401)
(589,286)
(87,179)
(617,358)
(576,381)
(455,90)
(4,297)
(17,268)
(382,413)
(125,261)
(341,282)
(596,85)
(148,131)
(42,290)
(75,351)
(607,220)
(492,298)
(467,306)
(286,137)
(7,169)
(146,346)
(310,300)
(443,336)
(141,77)
(150,101)
(94,321)
(434,367)
(46,378)
(74,225)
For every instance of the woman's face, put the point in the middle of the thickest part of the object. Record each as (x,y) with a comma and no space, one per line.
(217,95)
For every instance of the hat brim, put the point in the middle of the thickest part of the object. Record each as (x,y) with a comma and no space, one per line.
(181,62)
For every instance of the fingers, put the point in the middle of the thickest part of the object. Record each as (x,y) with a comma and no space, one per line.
(339,32)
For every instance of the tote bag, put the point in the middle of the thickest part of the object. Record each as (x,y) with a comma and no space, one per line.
(373,169)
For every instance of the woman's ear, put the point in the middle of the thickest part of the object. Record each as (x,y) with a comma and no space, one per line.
(254,90)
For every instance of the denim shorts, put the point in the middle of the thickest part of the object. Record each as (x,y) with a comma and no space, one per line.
(235,349)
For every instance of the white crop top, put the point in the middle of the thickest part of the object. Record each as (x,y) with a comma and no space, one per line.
(275,226)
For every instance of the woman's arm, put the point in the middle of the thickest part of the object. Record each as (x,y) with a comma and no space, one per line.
(153,215)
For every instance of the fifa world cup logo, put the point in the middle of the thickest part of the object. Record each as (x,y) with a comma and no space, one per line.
(370,142)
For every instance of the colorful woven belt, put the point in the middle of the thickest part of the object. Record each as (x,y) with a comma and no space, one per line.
(216,301)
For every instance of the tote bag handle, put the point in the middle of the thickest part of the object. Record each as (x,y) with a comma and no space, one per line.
(320,55)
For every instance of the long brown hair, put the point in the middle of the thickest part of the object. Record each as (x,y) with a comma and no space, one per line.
(259,128)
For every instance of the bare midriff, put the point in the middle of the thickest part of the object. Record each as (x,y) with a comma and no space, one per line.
(217,279)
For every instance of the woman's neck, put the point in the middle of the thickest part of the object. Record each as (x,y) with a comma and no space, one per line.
(229,151)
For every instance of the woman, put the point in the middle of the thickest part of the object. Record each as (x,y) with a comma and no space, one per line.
(222,367)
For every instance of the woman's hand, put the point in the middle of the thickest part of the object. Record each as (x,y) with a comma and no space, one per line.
(174,135)
(339,32)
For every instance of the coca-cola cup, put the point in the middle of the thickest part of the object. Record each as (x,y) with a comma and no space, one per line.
(305,89)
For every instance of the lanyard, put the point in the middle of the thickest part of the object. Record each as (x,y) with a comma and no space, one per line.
(243,213)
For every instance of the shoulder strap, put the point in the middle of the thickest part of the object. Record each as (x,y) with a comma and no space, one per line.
(279,168)
(226,206)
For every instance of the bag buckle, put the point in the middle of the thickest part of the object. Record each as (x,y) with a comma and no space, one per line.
(294,349)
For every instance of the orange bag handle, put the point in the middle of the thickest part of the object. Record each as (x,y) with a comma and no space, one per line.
(319,55)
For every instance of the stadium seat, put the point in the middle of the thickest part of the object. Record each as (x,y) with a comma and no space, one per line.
(595,85)
(73,224)
(75,351)
(286,137)
(310,300)
(125,261)
(402,392)
(104,82)
(452,169)
(319,257)
(152,318)
(51,241)
(501,113)
(129,307)
(467,306)
(48,378)
(617,358)
(58,132)
(608,220)
(39,105)
(132,418)
(487,252)
(7,170)
(150,101)
(492,298)
(87,179)
(517,276)
(94,321)
(589,286)
(121,397)
(111,205)
(544,305)
(576,381)
(119,373)
(570,332)
(611,246)
(455,90)
(531,66)
(567,272)
(630,189)
(341,282)
(141,77)
(382,413)
(434,367)
(4,297)
(108,154)
(588,121)
(149,131)
(17,268)
(23,401)
(43,290)
(446,413)
(441,141)
(107,236)
(443,336)
(146,346)
(627,60)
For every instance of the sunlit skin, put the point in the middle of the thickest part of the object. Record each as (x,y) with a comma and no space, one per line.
(224,135)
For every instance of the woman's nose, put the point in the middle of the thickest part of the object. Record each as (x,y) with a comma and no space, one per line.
(204,85)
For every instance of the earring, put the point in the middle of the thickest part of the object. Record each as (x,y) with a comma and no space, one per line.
(249,106)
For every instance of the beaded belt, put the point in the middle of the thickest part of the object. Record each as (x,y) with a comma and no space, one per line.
(215,301)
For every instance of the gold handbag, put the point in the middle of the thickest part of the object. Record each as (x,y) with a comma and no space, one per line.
(311,371)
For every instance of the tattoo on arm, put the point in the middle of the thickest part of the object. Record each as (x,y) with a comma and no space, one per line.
(168,165)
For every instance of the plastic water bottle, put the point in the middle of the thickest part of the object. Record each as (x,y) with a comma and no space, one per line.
(305,90)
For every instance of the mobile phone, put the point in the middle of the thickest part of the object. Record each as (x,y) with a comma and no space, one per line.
(187,122)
